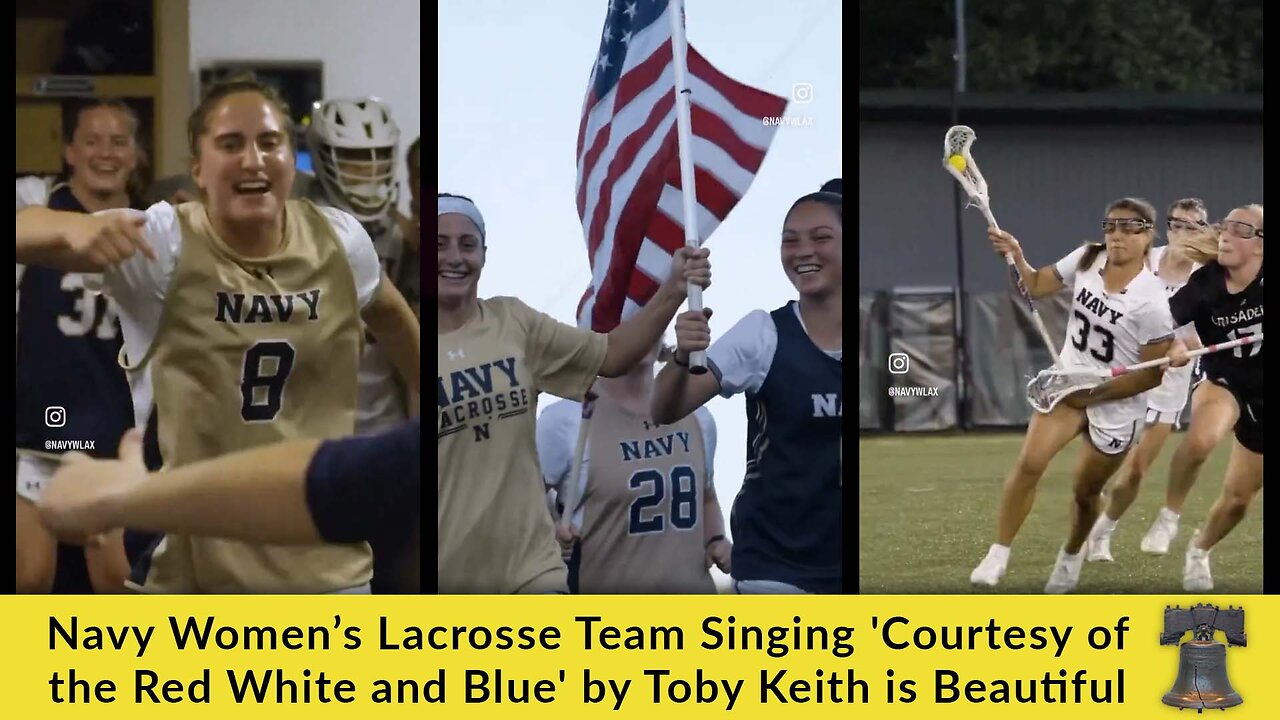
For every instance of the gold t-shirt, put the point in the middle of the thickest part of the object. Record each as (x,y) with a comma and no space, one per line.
(495,534)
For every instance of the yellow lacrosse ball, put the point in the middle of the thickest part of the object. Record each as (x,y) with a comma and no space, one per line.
(957,162)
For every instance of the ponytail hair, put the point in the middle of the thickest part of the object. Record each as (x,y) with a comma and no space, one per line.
(1201,247)
(1091,252)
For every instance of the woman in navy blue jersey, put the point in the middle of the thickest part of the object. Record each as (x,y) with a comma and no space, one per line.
(71,392)
(787,521)
(1222,301)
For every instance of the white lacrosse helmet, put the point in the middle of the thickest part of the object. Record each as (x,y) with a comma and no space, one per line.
(354,145)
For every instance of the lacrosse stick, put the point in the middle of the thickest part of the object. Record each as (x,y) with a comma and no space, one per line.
(1047,389)
(958,160)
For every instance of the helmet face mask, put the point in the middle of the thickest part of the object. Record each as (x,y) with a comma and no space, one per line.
(355,144)
(365,178)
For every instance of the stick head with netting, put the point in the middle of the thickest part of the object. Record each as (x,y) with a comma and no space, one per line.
(1050,386)
(957,158)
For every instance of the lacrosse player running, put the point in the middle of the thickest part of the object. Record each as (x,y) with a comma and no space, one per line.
(1119,317)
(1221,302)
(1213,413)
(648,520)
(495,355)
(1191,244)
(787,520)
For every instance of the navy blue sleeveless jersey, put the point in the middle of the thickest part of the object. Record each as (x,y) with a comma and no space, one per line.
(787,520)
(70,386)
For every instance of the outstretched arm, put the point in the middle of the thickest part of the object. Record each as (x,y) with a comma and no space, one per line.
(304,491)
(76,242)
(633,339)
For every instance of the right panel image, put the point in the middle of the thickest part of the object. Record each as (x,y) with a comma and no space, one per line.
(1060,299)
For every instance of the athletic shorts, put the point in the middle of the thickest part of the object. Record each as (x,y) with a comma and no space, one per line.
(33,472)
(1113,439)
(1248,429)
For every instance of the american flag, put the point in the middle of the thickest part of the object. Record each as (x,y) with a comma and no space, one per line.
(629,187)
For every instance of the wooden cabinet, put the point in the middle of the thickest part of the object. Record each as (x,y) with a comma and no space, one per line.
(162,98)
(39,130)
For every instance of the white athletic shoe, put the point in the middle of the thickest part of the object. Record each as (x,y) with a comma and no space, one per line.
(1162,533)
(1098,546)
(1066,573)
(1098,549)
(992,567)
(1195,570)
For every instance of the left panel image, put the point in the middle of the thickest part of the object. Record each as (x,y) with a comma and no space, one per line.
(218,271)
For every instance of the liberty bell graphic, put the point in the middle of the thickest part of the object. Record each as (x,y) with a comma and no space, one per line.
(1202,661)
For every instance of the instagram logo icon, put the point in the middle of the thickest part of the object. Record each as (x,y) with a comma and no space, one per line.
(899,364)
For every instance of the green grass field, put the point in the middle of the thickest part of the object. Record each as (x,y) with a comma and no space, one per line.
(928,508)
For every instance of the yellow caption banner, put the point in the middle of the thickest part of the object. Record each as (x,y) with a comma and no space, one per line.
(567,657)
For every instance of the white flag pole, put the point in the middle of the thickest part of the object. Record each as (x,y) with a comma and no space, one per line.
(684,134)
(570,492)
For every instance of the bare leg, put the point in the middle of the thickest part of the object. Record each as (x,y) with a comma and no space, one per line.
(1135,468)
(36,556)
(1213,413)
(1046,436)
(1242,483)
(1091,475)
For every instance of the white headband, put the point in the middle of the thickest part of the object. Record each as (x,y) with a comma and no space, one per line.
(461,206)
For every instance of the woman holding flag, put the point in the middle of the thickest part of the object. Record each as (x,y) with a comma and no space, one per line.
(787,521)
(495,356)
